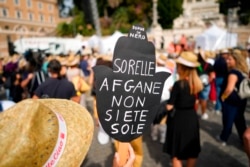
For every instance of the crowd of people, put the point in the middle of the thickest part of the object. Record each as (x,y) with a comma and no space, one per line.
(205,77)
(198,79)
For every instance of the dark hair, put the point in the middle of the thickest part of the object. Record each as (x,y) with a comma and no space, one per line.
(54,66)
(101,61)
(35,59)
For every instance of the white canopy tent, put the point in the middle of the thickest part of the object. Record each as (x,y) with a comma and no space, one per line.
(105,45)
(51,44)
(216,38)
(108,44)
(56,45)
(94,41)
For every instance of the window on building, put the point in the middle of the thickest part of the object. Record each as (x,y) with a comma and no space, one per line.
(4,12)
(50,7)
(18,14)
(16,2)
(30,16)
(51,19)
(41,18)
(29,4)
(31,29)
(6,27)
(40,5)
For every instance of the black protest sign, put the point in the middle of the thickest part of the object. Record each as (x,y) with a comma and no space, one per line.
(128,94)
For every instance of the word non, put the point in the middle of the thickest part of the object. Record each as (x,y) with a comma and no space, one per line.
(128,101)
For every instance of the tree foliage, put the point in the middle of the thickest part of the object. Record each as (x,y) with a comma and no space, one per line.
(168,10)
(242,5)
(64,29)
(244,12)
(77,25)
(85,7)
(122,14)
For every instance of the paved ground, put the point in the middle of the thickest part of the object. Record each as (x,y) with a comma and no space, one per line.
(212,154)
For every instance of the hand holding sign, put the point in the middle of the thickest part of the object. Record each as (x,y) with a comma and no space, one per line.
(128,95)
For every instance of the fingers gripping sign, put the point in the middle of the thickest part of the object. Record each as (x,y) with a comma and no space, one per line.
(128,94)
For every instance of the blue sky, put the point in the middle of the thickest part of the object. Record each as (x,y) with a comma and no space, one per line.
(69,5)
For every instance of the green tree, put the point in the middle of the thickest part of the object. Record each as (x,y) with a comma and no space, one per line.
(168,10)
(63,29)
(114,3)
(242,5)
(76,26)
(244,12)
(120,20)
(124,13)
(140,12)
(85,7)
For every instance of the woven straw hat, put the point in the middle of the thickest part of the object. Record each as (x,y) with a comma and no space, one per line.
(224,51)
(209,54)
(43,132)
(63,60)
(87,51)
(73,60)
(188,59)
(161,58)
(203,54)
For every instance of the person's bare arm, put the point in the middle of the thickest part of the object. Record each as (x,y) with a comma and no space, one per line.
(35,97)
(26,81)
(130,160)
(169,107)
(211,76)
(76,99)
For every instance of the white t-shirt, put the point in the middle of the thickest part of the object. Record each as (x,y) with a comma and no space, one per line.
(167,84)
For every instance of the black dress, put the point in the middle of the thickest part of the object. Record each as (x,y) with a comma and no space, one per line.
(183,137)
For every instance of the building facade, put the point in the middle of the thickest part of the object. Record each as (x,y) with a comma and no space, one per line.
(26,18)
(198,13)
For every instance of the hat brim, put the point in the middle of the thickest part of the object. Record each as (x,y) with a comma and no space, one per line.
(187,63)
(80,129)
(224,51)
(79,125)
(73,63)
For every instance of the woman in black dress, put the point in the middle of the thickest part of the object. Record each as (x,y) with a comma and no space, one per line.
(183,138)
